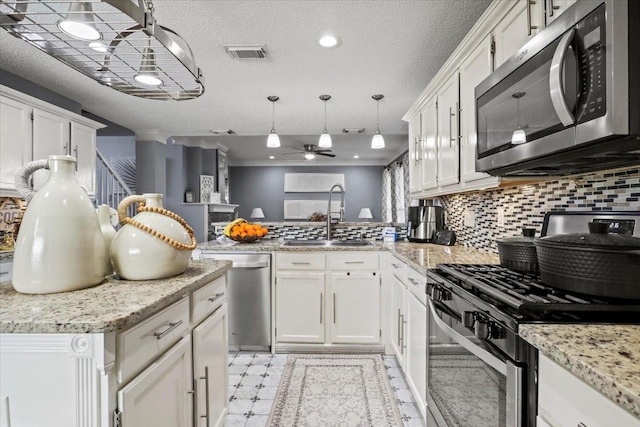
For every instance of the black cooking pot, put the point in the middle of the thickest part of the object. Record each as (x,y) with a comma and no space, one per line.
(519,253)
(599,263)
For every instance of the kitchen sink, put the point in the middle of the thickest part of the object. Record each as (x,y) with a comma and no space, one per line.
(328,243)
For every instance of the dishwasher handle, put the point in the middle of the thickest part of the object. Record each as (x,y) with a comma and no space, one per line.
(259,264)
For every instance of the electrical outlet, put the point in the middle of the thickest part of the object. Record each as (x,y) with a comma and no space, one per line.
(500,217)
(469,218)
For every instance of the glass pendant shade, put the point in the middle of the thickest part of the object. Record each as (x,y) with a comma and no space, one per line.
(309,156)
(377,141)
(79,23)
(325,140)
(518,137)
(148,72)
(273,141)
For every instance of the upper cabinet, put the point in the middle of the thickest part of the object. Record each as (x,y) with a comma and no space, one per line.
(523,21)
(31,129)
(442,122)
(555,8)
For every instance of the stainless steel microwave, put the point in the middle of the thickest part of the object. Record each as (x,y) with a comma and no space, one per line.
(569,100)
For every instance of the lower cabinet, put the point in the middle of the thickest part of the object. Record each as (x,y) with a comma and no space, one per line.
(398,322)
(168,370)
(416,359)
(327,298)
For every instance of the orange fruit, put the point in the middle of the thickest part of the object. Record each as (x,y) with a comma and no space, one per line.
(235,229)
(264,231)
(256,226)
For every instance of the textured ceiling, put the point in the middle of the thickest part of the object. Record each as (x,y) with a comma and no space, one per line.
(388,47)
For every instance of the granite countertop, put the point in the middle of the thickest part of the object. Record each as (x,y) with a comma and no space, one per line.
(607,357)
(111,306)
(421,256)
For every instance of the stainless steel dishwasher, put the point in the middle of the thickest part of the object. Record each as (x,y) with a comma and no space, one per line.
(248,299)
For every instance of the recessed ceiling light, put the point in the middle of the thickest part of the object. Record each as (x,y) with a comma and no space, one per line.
(328,41)
(356,157)
(272,157)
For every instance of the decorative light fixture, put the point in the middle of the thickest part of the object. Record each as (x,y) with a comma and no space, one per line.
(106,40)
(309,156)
(325,138)
(519,136)
(377,141)
(148,72)
(79,22)
(257,213)
(356,156)
(365,213)
(273,141)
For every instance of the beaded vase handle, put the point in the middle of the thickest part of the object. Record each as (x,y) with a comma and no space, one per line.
(124,219)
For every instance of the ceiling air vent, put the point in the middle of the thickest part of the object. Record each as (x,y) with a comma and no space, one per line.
(243,51)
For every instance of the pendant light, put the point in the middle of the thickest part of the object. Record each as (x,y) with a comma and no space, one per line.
(325,138)
(148,71)
(79,22)
(519,136)
(105,40)
(273,141)
(377,141)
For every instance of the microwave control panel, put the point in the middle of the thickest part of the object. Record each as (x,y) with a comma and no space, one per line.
(591,47)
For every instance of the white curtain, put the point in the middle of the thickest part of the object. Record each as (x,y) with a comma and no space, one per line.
(395,191)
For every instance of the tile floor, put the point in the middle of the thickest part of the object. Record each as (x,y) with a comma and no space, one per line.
(254,379)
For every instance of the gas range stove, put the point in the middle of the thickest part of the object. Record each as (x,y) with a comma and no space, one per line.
(525,298)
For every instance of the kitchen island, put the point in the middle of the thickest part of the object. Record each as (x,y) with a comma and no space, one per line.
(124,352)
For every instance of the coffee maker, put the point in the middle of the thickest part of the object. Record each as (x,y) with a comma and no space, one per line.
(424,222)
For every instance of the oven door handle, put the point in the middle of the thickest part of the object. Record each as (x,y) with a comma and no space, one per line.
(465,342)
(556,85)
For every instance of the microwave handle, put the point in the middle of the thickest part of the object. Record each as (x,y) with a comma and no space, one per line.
(556,86)
(465,342)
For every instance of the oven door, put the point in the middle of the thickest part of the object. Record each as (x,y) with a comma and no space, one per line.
(469,384)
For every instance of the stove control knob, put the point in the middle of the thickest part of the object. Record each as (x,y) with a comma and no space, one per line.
(469,319)
(481,329)
(439,293)
(496,331)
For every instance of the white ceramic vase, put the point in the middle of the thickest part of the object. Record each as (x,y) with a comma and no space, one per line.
(108,233)
(59,246)
(138,255)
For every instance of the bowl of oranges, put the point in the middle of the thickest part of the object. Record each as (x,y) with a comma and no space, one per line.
(242,231)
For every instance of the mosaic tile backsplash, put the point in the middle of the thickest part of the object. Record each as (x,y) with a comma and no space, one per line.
(525,205)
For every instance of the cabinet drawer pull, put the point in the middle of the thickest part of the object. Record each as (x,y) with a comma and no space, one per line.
(581,424)
(216,297)
(413,281)
(172,326)
(206,395)
(354,262)
(300,263)
(395,265)
(334,308)
(321,297)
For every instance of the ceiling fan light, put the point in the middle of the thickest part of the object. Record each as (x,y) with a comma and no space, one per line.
(377,141)
(273,141)
(325,140)
(148,72)
(79,23)
(309,156)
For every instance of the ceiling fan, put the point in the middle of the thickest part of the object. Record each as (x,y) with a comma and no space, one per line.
(310,151)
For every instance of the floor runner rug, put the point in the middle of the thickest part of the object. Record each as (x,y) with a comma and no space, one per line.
(334,390)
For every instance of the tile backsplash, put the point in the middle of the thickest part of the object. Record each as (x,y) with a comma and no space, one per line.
(525,205)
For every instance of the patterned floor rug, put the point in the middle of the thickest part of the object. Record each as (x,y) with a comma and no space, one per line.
(334,390)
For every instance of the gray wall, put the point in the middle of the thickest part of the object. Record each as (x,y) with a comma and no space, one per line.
(151,167)
(37,91)
(116,147)
(263,187)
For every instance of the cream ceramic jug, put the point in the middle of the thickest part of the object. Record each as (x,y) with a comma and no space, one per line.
(59,246)
(154,244)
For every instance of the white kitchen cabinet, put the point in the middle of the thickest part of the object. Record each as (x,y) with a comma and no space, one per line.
(415,154)
(555,8)
(448,132)
(162,395)
(15,140)
(147,374)
(429,146)
(33,130)
(416,356)
(398,320)
(523,21)
(327,298)
(300,306)
(211,370)
(475,68)
(564,400)
(355,307)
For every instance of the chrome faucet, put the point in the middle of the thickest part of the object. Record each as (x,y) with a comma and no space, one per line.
(341,218)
